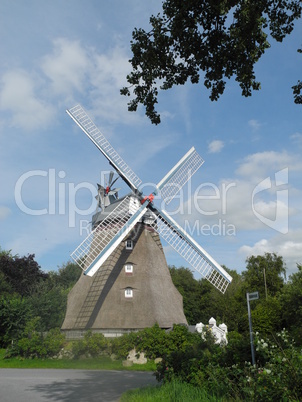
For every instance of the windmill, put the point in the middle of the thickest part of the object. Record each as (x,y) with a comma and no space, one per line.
(106,195)
(96,303)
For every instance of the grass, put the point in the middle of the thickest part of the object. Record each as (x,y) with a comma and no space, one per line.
(174,391)
(101,363)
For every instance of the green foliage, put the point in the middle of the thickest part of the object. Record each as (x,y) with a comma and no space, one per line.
(188,287)
(267,270)
(223,372)
(27,292)
(32,343)
(291,302)
(49,303)
(154,342)
(14,313)
(93,345)
(21,274)
(53,341)
(220,38)
(202,301)
(186,363)
(66,276)
(266,316)
(238,350)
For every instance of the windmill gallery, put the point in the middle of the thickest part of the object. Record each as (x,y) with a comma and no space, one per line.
(126,284)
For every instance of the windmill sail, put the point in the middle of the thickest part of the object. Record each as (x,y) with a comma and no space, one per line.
(104,239)
(191,251)
(78,114)
(179,175)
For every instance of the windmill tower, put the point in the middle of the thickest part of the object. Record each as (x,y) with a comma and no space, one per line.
(126,283)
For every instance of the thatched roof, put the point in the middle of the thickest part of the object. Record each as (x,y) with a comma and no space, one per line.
(100,303)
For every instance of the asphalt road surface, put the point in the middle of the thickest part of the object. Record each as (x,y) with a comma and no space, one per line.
(46,385)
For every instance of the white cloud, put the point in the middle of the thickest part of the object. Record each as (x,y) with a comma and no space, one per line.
(258,166)
(79,71)
(19,96)
(289,248)
(254,124)
(108,76)
(67,66)
(235,201)
(215,146)
(4,212)
(296,139)
(70,71)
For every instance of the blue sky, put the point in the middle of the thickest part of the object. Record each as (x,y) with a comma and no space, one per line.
(246,198)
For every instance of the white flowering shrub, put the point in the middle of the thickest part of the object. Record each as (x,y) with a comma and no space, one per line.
(278,373)
(277,376)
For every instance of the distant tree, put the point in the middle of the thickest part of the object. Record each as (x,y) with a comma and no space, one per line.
(291,300)
(297,89)
(50,298)
(264,273)
(202,300)
(68,274)
(220,38)
(21,274)
(5,287)
(188,287)
(267,316)
(14,313)
(228,308)
(49,304)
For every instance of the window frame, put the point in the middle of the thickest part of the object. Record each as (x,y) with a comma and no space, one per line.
(128,293)
(129,268)
(129,244)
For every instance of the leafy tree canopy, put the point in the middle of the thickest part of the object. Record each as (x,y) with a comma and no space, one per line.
(21,274)
(265,273)
(66,276)
(221,38)
(292,303)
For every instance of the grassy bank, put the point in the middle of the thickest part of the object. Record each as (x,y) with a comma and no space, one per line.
(100,363)
(174,391)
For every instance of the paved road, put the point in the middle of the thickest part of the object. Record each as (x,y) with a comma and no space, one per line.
(46,385)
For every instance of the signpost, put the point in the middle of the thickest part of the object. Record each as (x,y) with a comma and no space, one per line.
(250,297)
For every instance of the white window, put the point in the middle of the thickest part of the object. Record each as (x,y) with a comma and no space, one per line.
(129,268)
(129,244)
(128,293)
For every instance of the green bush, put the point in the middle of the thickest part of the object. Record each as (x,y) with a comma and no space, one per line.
(33,344)
(155,341)
(93,345)
(188,361)
(277,375)
(53,341)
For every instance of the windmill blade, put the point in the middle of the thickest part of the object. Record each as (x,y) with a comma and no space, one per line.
(179,175)
(114,181)
(114,191)
(78,114)
(100,196)
(111,174)
(105,238)
(191,251)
